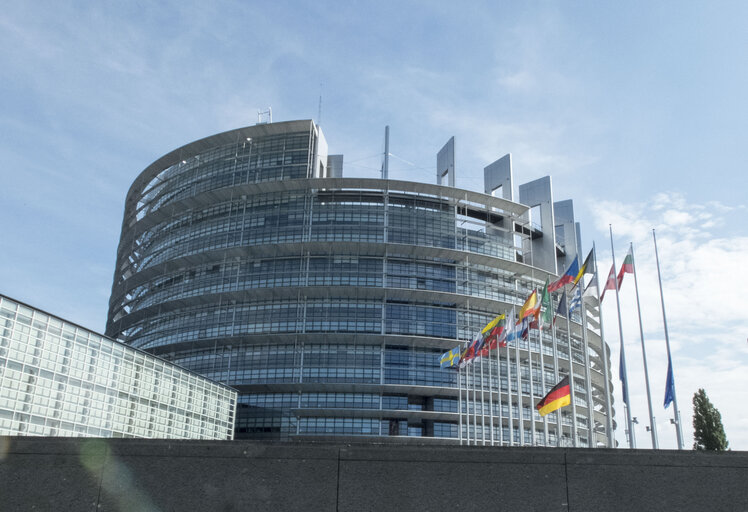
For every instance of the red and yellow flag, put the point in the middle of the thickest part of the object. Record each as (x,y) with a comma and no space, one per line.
(530,307)
(556,398)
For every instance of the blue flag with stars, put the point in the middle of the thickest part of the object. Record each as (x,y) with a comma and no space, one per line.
(669,384)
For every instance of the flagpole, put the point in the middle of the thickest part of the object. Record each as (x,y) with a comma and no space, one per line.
(529,363)
(676,414)
(559,427)
(498,382)
(605,359)
(520,408)
(543,317)
(482,404)
(490,390)
(592,442)
(466,419)
(459,400)
(467,402)
(510,324)
(542,381)
(571,377)
(469,381)
(624,377)
(585,347)
(532,394)
(475,409)
(653,425)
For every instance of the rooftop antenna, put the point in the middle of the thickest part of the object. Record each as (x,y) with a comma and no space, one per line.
(386,163)
(319,108)
(268,116)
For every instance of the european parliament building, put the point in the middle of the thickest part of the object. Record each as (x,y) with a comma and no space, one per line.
(327,301)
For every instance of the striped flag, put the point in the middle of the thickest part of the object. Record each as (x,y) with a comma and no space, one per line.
(627,267)
(576,300)
(530,306)
(557,397)
(610,284)
(523,328)
(495,333)
(569,276)
(511,330)
(588,267)
(472,352)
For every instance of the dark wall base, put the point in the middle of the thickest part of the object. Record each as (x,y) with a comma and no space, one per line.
(125,474)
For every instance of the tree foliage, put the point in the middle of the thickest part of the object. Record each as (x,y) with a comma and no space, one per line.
(707,424)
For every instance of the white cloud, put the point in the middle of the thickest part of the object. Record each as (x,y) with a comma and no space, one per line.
(522,80)
(703,278)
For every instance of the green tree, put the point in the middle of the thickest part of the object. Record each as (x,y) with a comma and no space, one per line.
(707,424)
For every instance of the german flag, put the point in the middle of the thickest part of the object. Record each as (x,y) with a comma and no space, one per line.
(556,398)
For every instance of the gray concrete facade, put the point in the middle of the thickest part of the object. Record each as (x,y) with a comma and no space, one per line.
(498,176)
(568,234)
(538,195)
(123,474)
(445,164)
(334,166)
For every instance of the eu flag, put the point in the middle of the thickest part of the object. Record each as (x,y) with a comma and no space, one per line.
(669,384)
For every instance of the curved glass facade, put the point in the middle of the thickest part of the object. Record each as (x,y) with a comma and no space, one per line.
(327,301)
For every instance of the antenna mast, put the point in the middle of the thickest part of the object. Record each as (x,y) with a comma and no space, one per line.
(268,113)
(319,108)
(386,163)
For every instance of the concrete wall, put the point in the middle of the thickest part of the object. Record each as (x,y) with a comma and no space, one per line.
(566,226)
(126,474)
(445,164)
(499,174)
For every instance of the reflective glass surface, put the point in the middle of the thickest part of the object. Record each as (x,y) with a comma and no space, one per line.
(58,379)
(336,298)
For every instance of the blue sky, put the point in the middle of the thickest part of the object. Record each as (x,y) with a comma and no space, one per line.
(637,110)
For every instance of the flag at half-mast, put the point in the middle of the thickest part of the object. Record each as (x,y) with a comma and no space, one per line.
(627,267)
(591,289)
(623,375)
(557,397)
(669,384)
(563,308)
(569,276)
(610,284)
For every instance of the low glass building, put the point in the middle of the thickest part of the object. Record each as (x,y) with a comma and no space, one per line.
(326,301)
(58,379)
